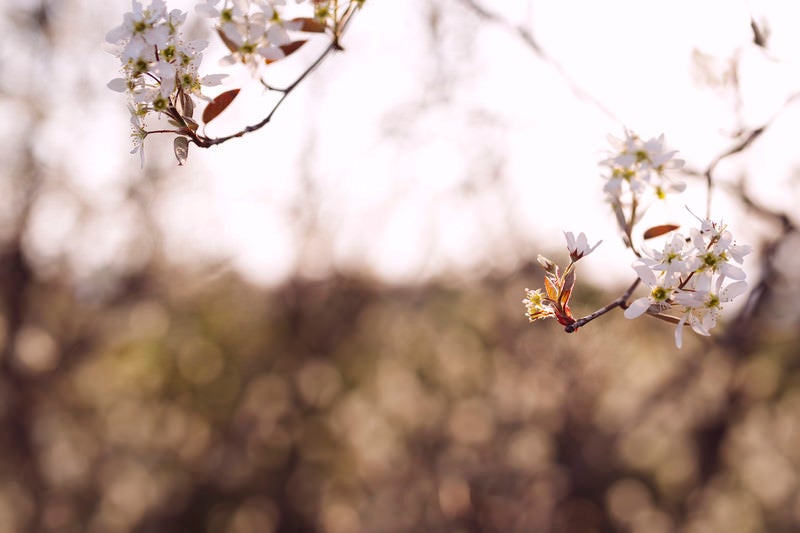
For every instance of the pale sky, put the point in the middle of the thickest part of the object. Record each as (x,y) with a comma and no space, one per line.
(411,159)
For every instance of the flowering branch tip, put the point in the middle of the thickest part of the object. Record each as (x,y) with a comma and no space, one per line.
(688,280)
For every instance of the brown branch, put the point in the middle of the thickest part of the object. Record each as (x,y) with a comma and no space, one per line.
(622,302)
(334,46)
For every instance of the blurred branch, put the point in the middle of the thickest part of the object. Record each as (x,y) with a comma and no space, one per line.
(786,223)
(746,140)
(741,146)
(523,33)
(769,273)
(530,41)
(759,36)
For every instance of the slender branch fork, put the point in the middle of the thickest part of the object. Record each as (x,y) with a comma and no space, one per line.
(739,147)
(752,136)
(206,142)
(530,41)
(622,302)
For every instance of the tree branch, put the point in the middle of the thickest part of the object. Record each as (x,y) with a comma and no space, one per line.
(622,302)
(334,46)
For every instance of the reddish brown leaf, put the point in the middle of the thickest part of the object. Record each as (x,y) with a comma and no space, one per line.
(287,50)
(292,47)
(565,318)
(218,105)
(657,231)
(232,46)
(310,25)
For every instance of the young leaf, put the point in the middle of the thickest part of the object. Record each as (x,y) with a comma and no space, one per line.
(191,124)
(566,289)
(187,104)
(218,105)
(310,25)
(551,290)
(181,149)
(657,231)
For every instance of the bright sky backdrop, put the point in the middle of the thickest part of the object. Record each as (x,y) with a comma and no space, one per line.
(417,153)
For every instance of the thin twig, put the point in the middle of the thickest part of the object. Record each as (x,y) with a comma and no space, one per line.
(622,302)
(334,46)
(528,38)
(751,137)
(744,143)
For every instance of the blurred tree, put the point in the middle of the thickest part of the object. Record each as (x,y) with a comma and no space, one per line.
(137,394)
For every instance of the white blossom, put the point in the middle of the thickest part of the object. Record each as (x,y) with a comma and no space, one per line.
(660,296)
(156,62)
(579,247)
(640,168)
(675,259)
(702,308)
(688,275)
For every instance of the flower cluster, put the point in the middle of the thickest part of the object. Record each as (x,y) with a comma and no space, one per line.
(554,303)
(689,278)
(639,169)
(691,275)
(253,30)
(257,31)
(160,68)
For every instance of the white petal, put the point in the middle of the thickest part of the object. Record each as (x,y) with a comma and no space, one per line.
(229,59)
(277,35)
(206,10)
(732,271)
(646,275)
(738,251)
(733,290)
(570,240)
(273,53)
(212,80)
(196,45)
(637,308)
(698,326)
(678,186)
(118,34)
(119,85)
(232,32)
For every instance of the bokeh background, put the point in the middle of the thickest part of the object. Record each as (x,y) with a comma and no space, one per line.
(318,327)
